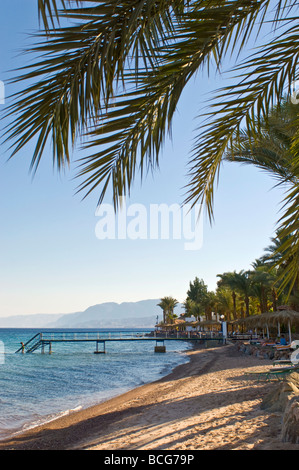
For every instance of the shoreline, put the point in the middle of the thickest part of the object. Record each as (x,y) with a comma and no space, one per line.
(28,426)
(204,404)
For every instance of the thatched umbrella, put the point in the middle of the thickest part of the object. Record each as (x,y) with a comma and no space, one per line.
(256,321)
(274,318)
(209,323)
(253,321)
(284,316)
(177,323)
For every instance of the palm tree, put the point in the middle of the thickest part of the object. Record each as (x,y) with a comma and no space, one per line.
(202,300)
(188,306)
(198,291)
(272,150)
(224,303)
(168,305)
(238,282)
(243,285)
(262,285)
(274,252)
(116,75)
(280,261)
(228,280)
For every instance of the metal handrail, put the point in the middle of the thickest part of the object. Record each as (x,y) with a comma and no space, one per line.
(28,342)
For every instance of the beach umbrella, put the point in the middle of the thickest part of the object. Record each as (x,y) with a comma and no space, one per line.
(209,323)
(257,321)
(284,316)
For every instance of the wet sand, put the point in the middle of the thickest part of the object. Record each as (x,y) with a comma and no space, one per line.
(206,404)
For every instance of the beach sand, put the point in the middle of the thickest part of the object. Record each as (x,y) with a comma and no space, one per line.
(206,404)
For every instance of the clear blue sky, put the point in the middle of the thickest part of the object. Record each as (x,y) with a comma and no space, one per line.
(50,258)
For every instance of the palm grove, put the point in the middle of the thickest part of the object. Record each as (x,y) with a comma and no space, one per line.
(112,72)
(238,294)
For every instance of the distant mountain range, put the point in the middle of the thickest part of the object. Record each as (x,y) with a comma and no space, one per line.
(142,314)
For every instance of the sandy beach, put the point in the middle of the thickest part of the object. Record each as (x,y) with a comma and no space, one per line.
(206,404)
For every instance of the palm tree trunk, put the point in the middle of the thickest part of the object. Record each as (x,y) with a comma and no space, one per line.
(274,299)
(247,305)
(234,305)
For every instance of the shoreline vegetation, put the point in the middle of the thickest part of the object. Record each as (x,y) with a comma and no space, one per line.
(208,403)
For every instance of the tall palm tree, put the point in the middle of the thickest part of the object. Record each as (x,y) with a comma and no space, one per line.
(189,307)
(168,305)
(224,303)
(262,285)
(243,286)
(227,280)
(202,299)
(198,291)
(238,282)
(114,70)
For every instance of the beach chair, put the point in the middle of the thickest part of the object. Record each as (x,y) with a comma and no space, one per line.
(294,359)
(281,372)
(282,347)
(275,373)
(265,376)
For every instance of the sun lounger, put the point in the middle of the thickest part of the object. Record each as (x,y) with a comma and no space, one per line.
(281,372)
(294,359)
(275,373)
(267,375)
(282,347)
(282,361)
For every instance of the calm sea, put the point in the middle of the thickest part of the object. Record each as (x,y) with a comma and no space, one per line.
(36,388)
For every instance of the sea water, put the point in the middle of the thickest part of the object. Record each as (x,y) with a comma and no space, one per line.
(36,388)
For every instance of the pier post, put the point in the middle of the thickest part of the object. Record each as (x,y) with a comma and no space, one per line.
(160,349)
(97,345)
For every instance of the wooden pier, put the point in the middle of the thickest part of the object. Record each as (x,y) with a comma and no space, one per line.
(46,339)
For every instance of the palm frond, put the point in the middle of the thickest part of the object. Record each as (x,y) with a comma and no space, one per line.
(151,48)
(289,250)
(51,10)
(246,104)
(134,128)
(270,149)
(79,69)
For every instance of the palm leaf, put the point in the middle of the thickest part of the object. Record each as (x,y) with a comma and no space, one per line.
(51,10)
(134,128)
(246,104)
(167,41)
(270,149)
(78,70)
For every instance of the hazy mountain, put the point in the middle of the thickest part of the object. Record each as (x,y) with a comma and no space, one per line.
(28,321)
(142,314)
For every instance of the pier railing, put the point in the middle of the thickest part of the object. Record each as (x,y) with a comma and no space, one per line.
(47,338)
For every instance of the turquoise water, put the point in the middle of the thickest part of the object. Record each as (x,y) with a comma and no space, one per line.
(35,388)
